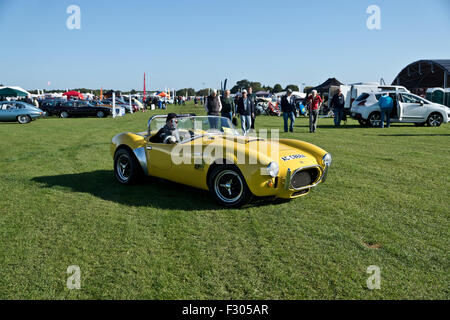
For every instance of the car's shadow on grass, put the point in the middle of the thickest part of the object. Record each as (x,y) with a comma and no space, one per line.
(150,192)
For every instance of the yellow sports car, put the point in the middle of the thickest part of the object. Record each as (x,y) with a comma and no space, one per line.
(207,152)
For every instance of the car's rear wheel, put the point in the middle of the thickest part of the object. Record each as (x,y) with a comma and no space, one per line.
(100,114)
(126,167)
(374,119)
(435,120)
(23,119)
(228,186)
(64,114)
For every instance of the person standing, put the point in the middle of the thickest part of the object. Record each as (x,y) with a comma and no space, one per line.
(314,107)
(252,97)
(288,108)
(246,110)
(338,103)
(213,106)
(386,104)
(228,106)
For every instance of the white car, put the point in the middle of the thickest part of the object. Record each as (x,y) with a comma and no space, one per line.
(407,108)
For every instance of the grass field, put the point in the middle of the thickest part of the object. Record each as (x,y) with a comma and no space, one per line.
(385,203)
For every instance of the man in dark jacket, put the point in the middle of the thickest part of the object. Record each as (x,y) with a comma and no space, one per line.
(288,109)
(246,110)
(228,108)
(213,106)
(338,103)
(252,97)
(168,133)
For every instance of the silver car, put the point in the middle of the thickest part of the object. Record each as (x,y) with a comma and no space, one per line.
(19,111)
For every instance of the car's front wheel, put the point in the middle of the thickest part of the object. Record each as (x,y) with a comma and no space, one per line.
(374,119)
(435,120)
(100,114)
(227,185)
(126,168)
(24,119)
(64,114)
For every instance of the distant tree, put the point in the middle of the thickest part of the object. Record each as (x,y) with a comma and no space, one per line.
(307,89)
(256,86)
(293,87)
(268,88)
(133,91)
(203,92)
(241,84)
(184,91)
(277,88)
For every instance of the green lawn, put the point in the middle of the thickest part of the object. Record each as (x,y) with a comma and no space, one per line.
(385,203)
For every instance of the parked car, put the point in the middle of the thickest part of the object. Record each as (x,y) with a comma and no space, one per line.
(119,103)
(80,108)
(353,91)
(408,108)
(19,111)
(51,106)
(246,167)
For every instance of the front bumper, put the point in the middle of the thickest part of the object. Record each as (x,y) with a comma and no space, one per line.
(290,192)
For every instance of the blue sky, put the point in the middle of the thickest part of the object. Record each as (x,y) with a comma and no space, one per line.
(198,43)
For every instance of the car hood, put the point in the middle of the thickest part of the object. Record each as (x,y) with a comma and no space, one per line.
(273,150)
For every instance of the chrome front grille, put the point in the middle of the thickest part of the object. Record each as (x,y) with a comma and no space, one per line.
(304,178)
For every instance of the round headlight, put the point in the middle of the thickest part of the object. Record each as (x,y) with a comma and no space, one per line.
(326,160)
(272,169)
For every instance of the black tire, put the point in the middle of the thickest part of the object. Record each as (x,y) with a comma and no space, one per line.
(435,119)
(24,119)
(228,186)
(64,114)
(374,119)
(100,114)
(126,167)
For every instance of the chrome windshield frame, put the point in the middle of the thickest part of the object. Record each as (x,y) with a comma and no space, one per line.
(184,116)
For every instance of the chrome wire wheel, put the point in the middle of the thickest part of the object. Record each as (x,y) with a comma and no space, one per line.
(123,167)
(100,114)
(435,120)
(64,114)
(228,186)
(23,119)
(375,119)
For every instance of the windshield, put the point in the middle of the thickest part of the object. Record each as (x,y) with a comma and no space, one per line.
(197,126)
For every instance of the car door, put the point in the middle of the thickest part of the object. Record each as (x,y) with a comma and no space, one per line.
(412,108)
(159,157)
(8,111)
(4,112)
(69,107)
(85,109)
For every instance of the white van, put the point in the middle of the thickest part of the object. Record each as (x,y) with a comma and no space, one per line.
(353,91)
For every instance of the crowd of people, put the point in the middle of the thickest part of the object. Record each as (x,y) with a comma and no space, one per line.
(243,106)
